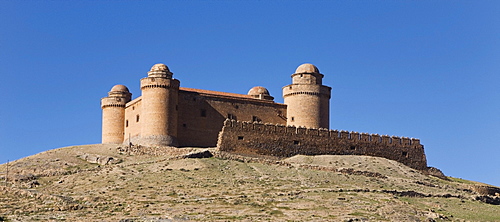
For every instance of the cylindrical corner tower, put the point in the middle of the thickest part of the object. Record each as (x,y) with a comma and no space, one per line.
(307,100)
(113,114)
(159,107)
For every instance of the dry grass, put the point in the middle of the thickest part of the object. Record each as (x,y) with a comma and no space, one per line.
(147,188)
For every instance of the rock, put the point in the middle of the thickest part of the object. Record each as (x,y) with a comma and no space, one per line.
(101,160)
(433,171)
(23,177)
(485,190)
(33,184)
(199,154)
(489,200)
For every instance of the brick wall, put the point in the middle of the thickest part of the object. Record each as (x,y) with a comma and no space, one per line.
(284,141)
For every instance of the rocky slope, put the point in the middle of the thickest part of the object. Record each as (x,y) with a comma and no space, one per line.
(112,183)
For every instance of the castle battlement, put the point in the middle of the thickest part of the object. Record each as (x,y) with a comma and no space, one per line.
(392,141)
(389,141)
(253,138)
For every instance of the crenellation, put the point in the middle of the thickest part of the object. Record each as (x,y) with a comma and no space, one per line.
(355,136)
(296,139)
(312,132)
(247,126)
(269,128)
(301,131)
(258,126)
(415,143)
(386,139)
(237,124)
(396,141)
(291,130)
(281,129)
(365,137)
(334,134)
(344,134)
(406,141)
(322,132)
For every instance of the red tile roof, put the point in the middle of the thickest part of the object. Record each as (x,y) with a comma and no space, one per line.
(216,93)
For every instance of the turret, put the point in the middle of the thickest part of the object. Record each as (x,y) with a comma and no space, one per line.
(260,92)
(159,107)
(307,100)
(113,114)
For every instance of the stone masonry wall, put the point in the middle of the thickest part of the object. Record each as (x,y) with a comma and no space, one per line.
(251,138)
(197,130)
(133,117)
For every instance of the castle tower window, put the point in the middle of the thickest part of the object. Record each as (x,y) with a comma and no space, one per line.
(293,118)
(203,113)
(137,118)
(240,137)
(126,123)
(296,142)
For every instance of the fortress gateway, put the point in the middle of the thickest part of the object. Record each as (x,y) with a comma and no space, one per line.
(169,115)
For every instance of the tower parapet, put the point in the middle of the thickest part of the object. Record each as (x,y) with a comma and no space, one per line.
(159,107)
(307,99)
(113,114)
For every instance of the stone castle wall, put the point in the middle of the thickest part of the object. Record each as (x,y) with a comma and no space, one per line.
(251,138)
(133,121)
(201,116)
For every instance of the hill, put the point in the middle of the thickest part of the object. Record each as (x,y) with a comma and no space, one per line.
(113,183)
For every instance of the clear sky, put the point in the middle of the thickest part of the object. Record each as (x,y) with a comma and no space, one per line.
(423,69)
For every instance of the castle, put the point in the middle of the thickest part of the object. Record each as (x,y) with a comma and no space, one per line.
(253,124)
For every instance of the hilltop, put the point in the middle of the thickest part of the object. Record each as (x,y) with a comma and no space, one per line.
(114,183)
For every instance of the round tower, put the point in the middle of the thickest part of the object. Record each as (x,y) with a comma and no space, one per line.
(113,114)
(159,107)
(307,99)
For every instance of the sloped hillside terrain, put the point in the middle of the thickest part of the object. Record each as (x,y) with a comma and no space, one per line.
(113,183)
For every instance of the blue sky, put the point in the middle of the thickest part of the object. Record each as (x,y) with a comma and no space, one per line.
(423,69)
